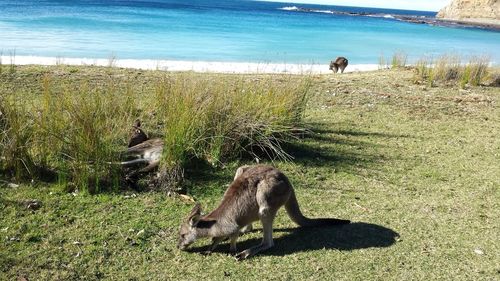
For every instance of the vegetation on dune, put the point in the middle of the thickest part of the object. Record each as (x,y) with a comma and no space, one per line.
(446,68)
(72,129)
(450,69)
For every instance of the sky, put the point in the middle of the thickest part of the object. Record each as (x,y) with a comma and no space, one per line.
(421,5)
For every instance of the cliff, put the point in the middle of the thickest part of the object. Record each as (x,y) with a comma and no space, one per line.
(476,11)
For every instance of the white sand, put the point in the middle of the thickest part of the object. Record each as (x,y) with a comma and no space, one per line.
(196,66)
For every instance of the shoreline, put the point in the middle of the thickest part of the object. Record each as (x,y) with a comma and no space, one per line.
(196,66)
(487,24)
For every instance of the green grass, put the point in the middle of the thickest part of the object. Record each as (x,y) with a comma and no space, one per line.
(449,69)
(414,167)
(72,126)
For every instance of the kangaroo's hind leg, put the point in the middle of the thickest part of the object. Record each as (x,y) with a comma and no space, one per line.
(342,68)
(266,217)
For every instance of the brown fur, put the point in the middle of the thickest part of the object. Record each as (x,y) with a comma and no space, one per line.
(145,150)
(340,63)
(256,194)
(148,152)
(138,135)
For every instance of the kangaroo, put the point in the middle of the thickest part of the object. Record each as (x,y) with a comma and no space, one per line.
(340,63)
(145,150)
(148,152)
(256,194)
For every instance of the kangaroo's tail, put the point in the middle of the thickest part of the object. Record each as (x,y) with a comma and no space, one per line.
(293,210)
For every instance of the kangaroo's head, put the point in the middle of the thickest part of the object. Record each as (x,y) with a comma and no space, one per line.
(138,135)
(188,232)
(332,64)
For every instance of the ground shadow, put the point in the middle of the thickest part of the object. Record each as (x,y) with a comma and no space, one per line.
(353,150)
(350,237)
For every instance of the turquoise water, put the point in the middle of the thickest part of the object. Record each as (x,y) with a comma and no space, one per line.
(223,30)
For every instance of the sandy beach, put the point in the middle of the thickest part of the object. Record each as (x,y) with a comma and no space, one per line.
(196,66)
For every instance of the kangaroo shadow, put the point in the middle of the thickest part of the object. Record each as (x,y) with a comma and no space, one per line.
(349,237)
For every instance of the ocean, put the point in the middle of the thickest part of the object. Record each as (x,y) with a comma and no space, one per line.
(227,31)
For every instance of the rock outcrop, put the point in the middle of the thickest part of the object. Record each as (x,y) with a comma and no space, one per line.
(476,11)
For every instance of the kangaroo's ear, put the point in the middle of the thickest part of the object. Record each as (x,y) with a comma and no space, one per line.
(195,215)
(240,171)
(137,123)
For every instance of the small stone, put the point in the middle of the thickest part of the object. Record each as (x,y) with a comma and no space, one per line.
(479,252)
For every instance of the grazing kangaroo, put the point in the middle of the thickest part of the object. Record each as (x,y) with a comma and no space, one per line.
(340,63)
(256,194)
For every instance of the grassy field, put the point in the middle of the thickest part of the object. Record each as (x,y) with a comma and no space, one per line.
(416,168)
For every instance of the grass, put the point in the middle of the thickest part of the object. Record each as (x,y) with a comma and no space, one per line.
(72,128)
(399,59)
(450,69)
(414,167)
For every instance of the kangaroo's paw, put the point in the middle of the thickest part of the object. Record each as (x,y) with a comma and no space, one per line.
(242,255)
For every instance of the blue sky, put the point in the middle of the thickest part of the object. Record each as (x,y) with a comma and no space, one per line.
(422,5)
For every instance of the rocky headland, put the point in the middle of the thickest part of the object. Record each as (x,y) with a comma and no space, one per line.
(482,12)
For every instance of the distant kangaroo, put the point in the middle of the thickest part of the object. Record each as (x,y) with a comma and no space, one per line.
(256,194)
(340,63)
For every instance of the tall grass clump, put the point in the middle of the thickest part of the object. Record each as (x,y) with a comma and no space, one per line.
(217,120)
(85,126)
(16,135)
(12,65)
(399,59)
(476,70)
(72,132)
(450,69)
(382,62)
(75,130)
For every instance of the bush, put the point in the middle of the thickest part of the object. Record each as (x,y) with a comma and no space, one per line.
(399,59)
(76,128)
(449,69)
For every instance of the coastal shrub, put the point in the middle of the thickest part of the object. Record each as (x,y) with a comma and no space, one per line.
(423,70)
(75,129)
(382,62)
(450,69)
(447,68)
(494,79)
(12,65)
(16,133)
(477,70)
(217,120)
(399,59)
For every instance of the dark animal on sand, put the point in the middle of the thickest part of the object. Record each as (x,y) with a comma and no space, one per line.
(340,63)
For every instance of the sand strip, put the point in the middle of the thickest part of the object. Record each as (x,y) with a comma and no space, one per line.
(196,66)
